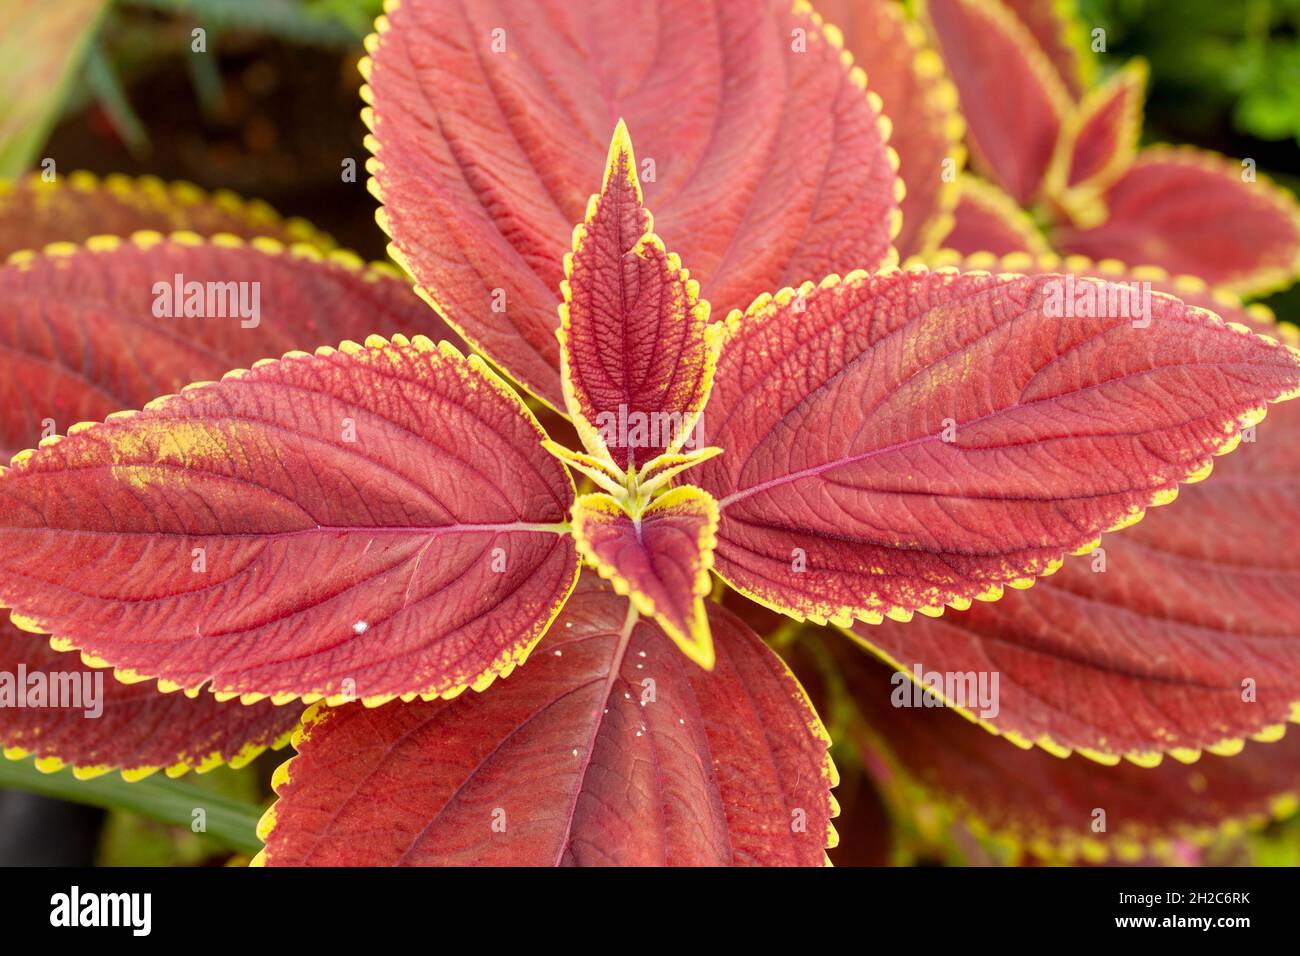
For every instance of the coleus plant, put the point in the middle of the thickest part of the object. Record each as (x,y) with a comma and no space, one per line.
(1066,148)
(378,528)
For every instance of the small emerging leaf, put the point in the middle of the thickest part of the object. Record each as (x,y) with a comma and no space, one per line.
(1098,143)
(637,351)
(660,559)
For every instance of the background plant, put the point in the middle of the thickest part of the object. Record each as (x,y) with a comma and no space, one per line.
(1214,302)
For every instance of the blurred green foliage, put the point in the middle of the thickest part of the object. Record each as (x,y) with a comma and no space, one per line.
(132,839)
(1211,59)
(328,23)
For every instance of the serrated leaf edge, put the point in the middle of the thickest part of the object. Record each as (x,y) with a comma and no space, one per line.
(256,212)
(767,305)
(1261,281)
(503,666)
(52,763)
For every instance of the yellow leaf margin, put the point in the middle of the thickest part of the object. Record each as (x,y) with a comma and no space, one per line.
(695,642)
(475,369)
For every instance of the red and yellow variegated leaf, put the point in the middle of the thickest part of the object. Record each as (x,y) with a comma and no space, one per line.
(1191,212)
(317,526)
(41,44)
(921,104)
(1098,144)
(637,350)
(1185,638)
(761,154)
(908,440)
(609,748)
(1050,806)
(1061,35)
(75,207)
(661,559)
(988,220)
(102,724)
(1013,100)
(1150,654)
(79,338)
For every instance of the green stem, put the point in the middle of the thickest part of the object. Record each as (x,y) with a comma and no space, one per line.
(229,822)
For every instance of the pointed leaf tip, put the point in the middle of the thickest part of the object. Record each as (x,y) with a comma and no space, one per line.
(1193,672)
(769,164)
(637,352)
(896,443)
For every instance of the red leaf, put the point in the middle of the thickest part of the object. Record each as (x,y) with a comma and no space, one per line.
(608,748)
(350,541)
(1188,211)
(77,206)
(1150,655)
(137,729)
(769,164)
(660,559)
(1013,100)
(988,220)
(1060,34)
(637,351)
(921,105)
(1098,144)
(1048,805)
(907,440)
(79,339)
